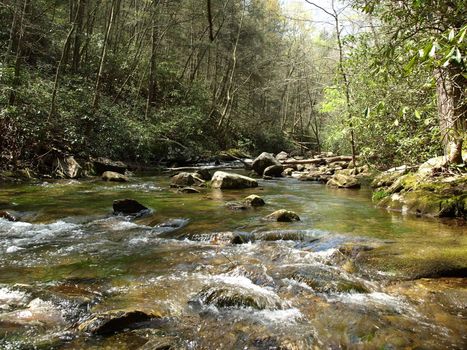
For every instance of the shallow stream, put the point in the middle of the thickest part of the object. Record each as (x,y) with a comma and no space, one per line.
(347,276)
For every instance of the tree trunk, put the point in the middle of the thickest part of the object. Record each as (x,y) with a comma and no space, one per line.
(19,47)
(95,102)
(452,112)
(152,66)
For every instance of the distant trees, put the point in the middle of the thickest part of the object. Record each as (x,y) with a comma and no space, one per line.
(141,79)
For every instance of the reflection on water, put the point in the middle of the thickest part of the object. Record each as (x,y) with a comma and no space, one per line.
(347,275)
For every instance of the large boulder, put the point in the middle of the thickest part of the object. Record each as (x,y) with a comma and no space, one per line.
(185,179)
(283,215)
(101,165)
(66,168)
(224,180)
(273,170)
(114,177)
(128,207)
(343,181)
(263,161)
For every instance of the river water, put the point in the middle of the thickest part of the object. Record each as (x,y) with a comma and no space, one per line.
(347,276)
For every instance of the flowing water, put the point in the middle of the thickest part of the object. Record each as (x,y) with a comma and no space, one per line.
(347,276)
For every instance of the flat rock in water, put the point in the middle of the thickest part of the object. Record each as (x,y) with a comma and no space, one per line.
(188,190)
(283,215)
(115,177)
(224,180)
(128,207)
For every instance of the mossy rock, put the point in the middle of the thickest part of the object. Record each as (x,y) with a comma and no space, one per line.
(423,202)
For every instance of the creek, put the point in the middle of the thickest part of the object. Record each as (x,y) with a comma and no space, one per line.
(346,276)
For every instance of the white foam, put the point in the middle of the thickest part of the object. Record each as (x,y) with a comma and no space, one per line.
(13,249)
(287,316)
(8,295)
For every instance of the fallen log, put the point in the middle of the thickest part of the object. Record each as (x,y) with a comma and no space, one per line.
(206,167)
(318,160)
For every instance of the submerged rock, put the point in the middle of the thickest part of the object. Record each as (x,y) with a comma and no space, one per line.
(185,179)
(254,201)
(263,161)
(114,322)
(237,292)
(225,180)
(8,216)
(343,181)
(115,177)
(324,279)
(283,215)
(188,190)
(129,207)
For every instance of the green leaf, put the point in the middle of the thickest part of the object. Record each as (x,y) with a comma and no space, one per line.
(417,114)
(451,35)
(396,122)
(462,35)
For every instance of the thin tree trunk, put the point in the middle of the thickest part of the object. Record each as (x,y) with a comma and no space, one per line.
(19,47)
(58,70)
(95,101)
(78,24)
(152,65)
(452,112)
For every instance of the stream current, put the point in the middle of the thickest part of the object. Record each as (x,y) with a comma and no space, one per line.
(347,276)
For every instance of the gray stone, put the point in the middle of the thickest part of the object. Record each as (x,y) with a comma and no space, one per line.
(224,180)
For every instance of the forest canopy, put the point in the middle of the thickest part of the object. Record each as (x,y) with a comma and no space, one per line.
(146,80)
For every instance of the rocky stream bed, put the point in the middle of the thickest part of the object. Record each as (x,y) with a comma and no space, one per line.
(205,269)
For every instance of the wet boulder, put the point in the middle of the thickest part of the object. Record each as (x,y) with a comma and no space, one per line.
(237,292)
(273,170)
(185,179)
(263,161)
(114,322)
(281,156)
(283,215)
(343,181)
(254,201)
(326,279)
(224,180)
(8,216)
(114,177)
(66,168)
(101,165)
(128,207)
